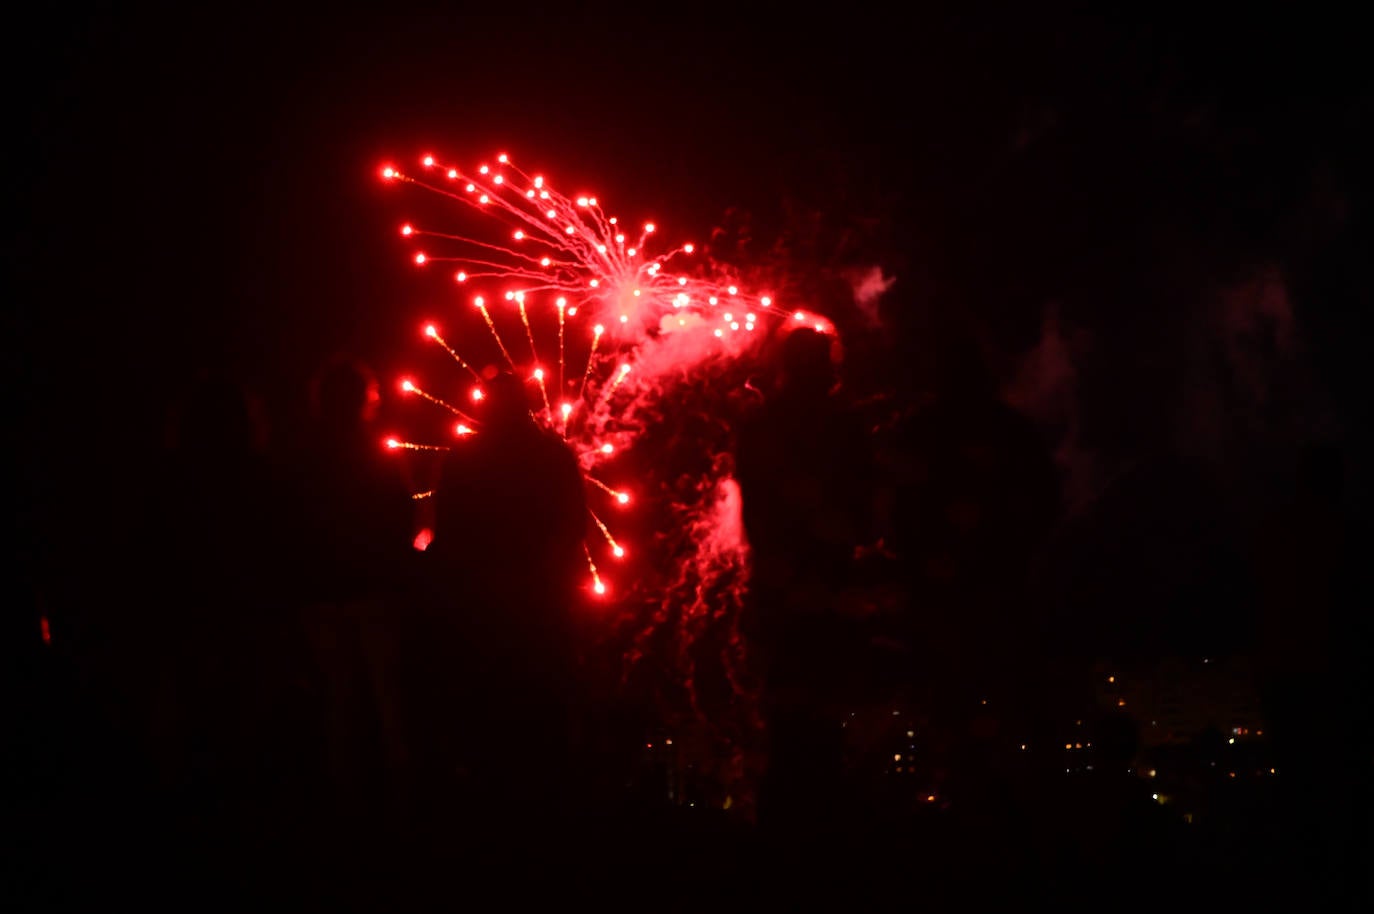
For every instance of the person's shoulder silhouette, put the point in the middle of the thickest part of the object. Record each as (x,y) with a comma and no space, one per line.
(510,504)
(504,567)
(802,463)
(216,492)
(356,507)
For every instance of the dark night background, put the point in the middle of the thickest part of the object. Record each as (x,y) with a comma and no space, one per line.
(1154,230)
(199,188)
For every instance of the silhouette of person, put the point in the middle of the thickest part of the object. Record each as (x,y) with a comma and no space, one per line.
(978,492)
(353,546)
(357,504)
(507,556)
(803,470)
(215,559)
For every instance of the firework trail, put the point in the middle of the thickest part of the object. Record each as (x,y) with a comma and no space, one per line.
(635,322)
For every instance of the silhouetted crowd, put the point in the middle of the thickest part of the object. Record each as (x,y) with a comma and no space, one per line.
(287,681)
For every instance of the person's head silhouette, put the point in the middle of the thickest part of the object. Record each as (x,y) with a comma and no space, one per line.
(345,394)
(217,416)
(806,365)
(505,403)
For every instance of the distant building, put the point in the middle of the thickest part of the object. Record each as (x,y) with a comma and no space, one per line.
(1176,699)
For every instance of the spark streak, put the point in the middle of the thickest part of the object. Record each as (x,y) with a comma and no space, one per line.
(394,444)
(486,316)
(616,548)
(433,333)
(411,388)
(621,497)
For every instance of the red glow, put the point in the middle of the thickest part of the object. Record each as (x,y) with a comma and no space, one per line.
(45,629)
(638,309)
(388,172)
(423,539)
(428,160)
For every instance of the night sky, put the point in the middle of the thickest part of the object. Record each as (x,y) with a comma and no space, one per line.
(1155,232)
